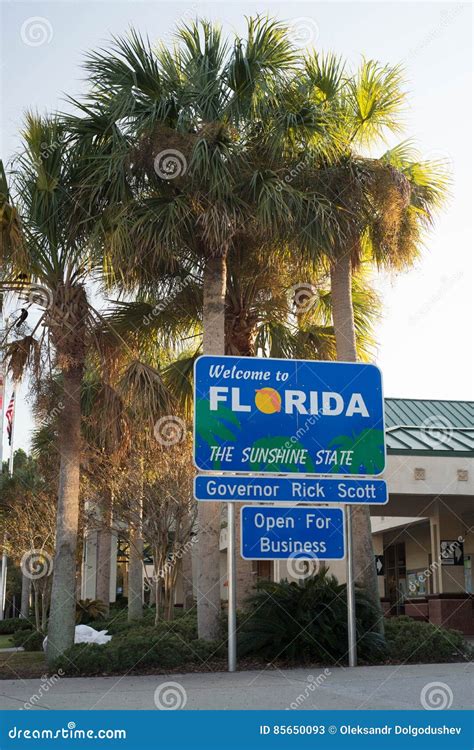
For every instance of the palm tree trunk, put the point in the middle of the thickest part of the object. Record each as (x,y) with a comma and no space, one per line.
(209,514)
(240,340)
(344,328)
(342,310)
(104,546)
(63,603)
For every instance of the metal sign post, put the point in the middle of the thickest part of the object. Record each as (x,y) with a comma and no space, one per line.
(298,431)
(231,583)
(351,611)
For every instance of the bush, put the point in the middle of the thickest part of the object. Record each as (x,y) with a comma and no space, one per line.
(31,640)
(141,648)
(12,624)
(307,622)
(184,623)
(120,603)
(414,642)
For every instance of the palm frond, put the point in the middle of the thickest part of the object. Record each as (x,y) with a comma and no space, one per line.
(142,387)
(375,101)
(178,376)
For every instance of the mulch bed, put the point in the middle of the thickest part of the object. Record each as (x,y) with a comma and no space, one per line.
(24,665)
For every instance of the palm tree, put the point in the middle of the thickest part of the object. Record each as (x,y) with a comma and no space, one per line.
(182,151)
(382,206)
(200,153)
(48,264)
(259,319)
(122,396)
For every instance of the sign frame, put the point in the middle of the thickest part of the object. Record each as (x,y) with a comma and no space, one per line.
(231,361)
(274,482)
(321,511)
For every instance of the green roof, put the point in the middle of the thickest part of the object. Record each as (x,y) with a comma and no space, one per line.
(429,427)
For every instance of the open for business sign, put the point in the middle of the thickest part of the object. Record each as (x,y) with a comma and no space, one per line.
(301,533)
(258,415)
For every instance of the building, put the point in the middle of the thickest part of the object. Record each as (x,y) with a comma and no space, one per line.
(424,535)
(423,538)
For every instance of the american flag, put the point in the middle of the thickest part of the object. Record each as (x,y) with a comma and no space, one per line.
(9,418)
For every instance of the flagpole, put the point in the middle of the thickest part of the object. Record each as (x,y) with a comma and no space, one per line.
(3,581)
(12,433)
(3,387)
(3,392)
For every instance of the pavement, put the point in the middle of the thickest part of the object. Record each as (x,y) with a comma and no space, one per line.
(382,687)
(12,649)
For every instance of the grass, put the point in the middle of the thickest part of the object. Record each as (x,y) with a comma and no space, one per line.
(6,641)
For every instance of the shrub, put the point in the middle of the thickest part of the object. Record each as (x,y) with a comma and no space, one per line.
(140,648)
(307,622)
(12,624)
(31,640)
(120,603)
(84,658)
(184,623)
(414,642)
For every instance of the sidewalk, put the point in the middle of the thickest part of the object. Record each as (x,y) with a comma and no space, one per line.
(385,687)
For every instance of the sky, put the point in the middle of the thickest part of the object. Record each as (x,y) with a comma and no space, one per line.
(426,332)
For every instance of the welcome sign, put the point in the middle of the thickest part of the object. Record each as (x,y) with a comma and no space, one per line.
(256,415)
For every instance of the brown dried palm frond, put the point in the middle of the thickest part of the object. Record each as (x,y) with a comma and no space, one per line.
(161,139)
(11,235)
(142,387)
(107,425)
(22,354)
(390,192)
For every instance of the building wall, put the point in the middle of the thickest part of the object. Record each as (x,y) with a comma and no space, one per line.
(440,476)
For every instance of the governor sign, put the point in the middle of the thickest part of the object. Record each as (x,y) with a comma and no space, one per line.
(276,416)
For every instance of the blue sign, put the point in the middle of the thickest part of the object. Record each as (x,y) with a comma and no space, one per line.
(282,533)
(277,416)
(288,489)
